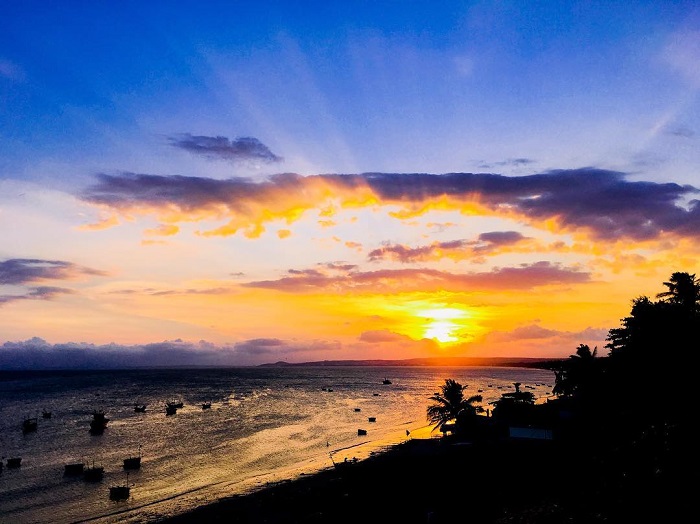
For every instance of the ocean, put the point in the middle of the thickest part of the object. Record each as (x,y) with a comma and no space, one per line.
(265,425)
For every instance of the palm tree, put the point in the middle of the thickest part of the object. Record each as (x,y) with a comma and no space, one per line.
(683,290)
(451,406)
(578,373)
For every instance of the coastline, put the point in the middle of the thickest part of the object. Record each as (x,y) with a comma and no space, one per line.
(426,480)
(443,480)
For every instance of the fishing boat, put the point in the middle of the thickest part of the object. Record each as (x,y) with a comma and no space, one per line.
(140,408)
(206,405)
(73,469)
(98,422)
(93,473)
(133,462)
(176,403)
(361,432)
(29,425)
(170,409)
(386,381)
(120,491)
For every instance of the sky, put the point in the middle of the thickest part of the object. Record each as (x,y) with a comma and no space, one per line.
(236,183)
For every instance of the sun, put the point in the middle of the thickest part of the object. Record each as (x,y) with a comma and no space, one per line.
(443,323)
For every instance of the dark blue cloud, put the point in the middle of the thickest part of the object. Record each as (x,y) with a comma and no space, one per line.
(602,202)
(16,271)
(23,271)
(243,149)
(36,293)
(37,353)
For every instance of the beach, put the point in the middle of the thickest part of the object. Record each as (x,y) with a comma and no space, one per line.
(420,481)
(429,481)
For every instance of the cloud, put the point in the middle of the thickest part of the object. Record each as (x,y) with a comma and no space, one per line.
(381,336)
(37,353)
(456,249)
(17,271)
(37,293)
(523,277)
(104,223)
(23,271)
(534,339)
(243,149)
(681,131)
(599,202)
(164,230)
(517,162)
(149,291)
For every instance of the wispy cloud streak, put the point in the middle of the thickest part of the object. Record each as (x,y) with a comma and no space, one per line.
(458,249)
(526,276)
(243,149)
(22,270)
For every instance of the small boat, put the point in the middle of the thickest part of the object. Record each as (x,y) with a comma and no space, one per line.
(74,469)
(133,462)
(372,419)
(93,473)
(170,410)
(46,414)
(140,408)
(361,432)
(120,491)
(206,405)
(98,422)
(357,410)
(29,425)
(14,462)
(386,381)
(176,404)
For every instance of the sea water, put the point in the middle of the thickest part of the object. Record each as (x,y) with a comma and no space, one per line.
(265,424)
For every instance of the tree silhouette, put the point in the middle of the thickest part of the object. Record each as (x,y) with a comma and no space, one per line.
(683,290)
(652,348)
(578,376)
(449,405)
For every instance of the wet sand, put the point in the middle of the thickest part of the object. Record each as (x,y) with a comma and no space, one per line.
(419,481)
(444,481)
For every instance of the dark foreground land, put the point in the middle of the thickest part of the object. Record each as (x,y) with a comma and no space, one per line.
(495,482)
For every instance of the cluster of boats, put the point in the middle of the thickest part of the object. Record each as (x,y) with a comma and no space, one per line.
(90,473)
(93,473)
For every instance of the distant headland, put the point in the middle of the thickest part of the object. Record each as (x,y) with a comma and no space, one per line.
(543,363)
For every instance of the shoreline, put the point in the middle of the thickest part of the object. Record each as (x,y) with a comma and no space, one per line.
(445,480)
(416,481)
